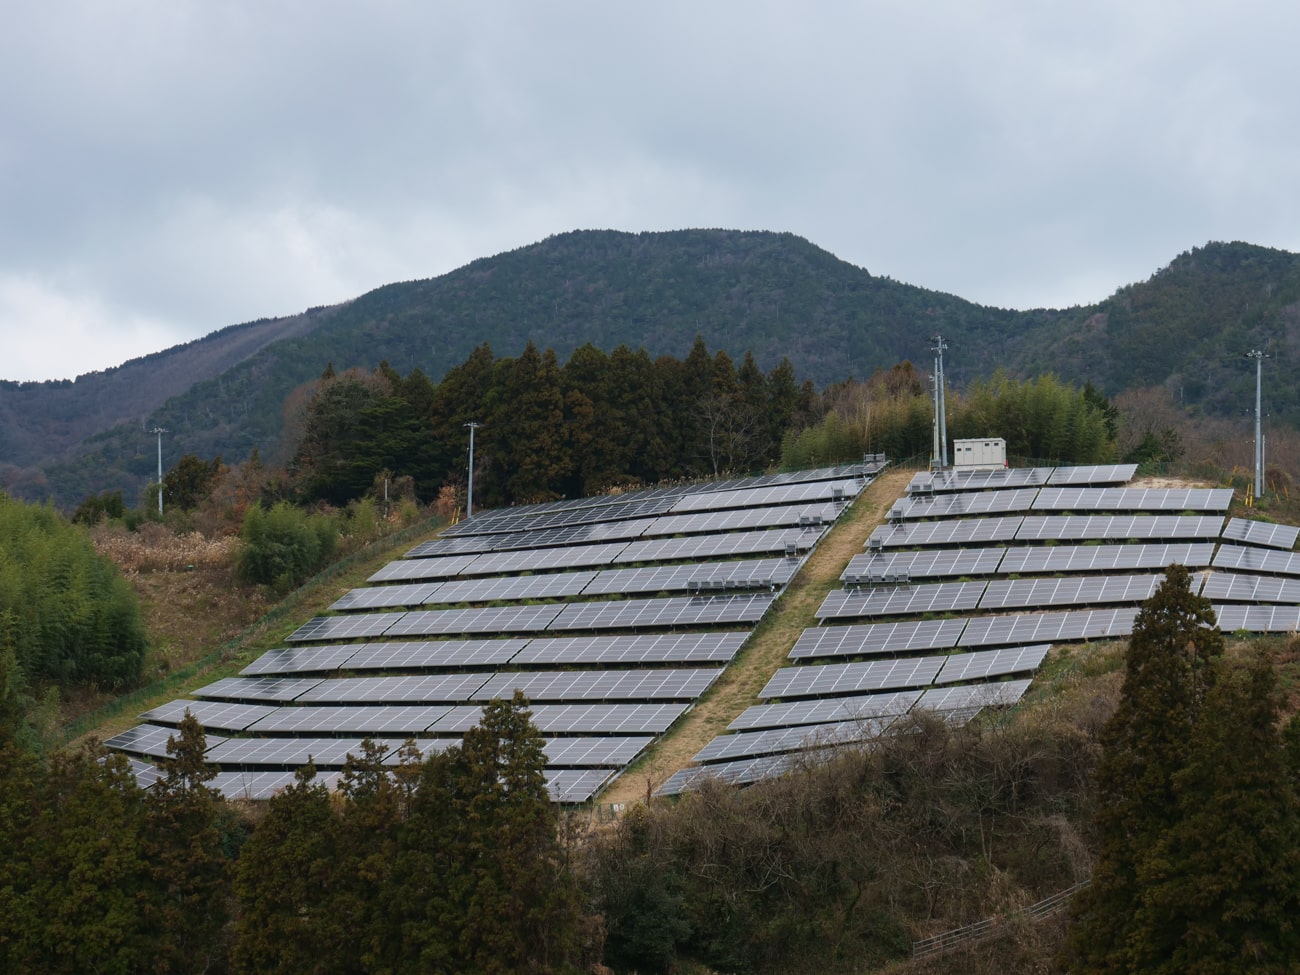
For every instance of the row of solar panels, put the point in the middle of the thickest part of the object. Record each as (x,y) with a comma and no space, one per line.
(1061,499)
(565,785)
(735,519)
(875,568)
(993,594)
(743,758)
(785,541)
(687,577)
(1114,528)
(787,488)
(956,479)
(605,614)
(714,646)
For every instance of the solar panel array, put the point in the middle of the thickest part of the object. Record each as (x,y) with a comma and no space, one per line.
(614,615)
(1007,606)
(611,615)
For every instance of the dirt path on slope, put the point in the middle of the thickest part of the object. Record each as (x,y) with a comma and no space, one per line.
(767,649)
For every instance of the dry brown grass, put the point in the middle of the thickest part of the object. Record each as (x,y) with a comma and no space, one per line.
(767,649)
(189,596)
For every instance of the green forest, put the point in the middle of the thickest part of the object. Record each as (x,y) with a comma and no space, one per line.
(1182,333)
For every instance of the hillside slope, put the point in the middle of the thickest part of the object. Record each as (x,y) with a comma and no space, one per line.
(774,294)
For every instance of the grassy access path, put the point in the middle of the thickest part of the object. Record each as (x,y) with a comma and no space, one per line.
(767,649)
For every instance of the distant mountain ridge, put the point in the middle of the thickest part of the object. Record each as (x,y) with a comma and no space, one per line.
(774,294)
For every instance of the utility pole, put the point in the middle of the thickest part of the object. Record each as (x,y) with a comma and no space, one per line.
(1259,358)
(159,431)
(940,405)
(469,501)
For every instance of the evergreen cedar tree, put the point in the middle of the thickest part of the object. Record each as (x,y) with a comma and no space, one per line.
(452,864)
(1197,866)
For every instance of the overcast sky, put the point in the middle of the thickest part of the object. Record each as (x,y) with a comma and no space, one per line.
(170,167)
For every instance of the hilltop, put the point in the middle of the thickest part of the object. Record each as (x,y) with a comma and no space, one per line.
(774,294)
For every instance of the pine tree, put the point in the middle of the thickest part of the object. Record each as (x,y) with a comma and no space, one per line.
(511,896)
(1170,668)
(1223,885)
(189,867)
(285,872)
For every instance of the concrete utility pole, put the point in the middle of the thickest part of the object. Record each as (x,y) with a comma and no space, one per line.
(159,431)
(940,405)
(1259,358)
(469,501)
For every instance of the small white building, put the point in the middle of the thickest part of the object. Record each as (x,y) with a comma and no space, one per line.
(980,454)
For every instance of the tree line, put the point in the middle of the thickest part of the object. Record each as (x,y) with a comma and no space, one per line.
(449,864)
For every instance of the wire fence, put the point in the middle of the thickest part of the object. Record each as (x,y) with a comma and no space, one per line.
(980,931)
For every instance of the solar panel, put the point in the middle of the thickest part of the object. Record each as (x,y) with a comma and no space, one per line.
(375,719)
(957,531)
(877,638)
(146,773)
(360,625)
(942,597)
(601,752)
(747,573)
(302,660)
(1258,619)
(1261,533)
(875,568)
(1251,559)
(430,654)
(714,647)
(666,684)
(982,664)
(151,739)
(1060,627)
(710,546)
(1118,527)
(380,597)
(668,611)
(290,753)
(1133,499)
(973,696)
(773,495)
(574,786)
(978,480)
(861,706)
(1103,474)
(486,619)
(465,545)
(600,531)
(737,519)
(738,772)
(825,680)
(627,719)
(542,559)
(772,741)
(444,567)
(1251,589)
(1069,590)
(964,503)
(278,689)
(1095,558)
(427,688)
(552,585)
(264,785)
(221,715)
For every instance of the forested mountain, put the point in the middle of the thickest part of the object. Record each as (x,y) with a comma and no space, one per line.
(767,293)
